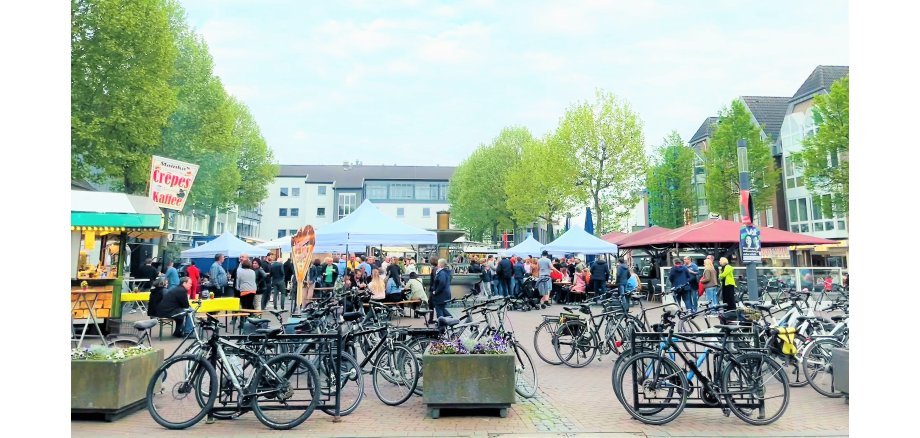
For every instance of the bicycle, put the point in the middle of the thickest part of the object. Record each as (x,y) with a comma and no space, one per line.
(657,383)
(268,391)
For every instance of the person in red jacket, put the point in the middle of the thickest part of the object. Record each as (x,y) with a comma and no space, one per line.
(195,274)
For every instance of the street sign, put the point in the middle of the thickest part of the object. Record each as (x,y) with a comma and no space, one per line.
(750,244)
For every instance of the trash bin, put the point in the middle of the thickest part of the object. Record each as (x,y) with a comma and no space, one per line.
(840,361)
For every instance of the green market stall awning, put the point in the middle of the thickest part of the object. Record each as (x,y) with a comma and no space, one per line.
(113,210)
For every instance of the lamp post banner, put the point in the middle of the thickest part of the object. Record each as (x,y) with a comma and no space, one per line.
(750,244)
(170,182)
(302,245)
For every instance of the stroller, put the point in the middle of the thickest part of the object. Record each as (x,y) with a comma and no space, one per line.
(528,297)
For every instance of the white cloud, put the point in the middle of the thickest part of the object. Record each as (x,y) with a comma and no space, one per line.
(544,61)
(300,135)
(464,44)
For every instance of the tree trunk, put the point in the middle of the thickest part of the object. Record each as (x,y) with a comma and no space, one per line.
(599,222)
(495,233)
(549,231)
(212,223)
(162,245)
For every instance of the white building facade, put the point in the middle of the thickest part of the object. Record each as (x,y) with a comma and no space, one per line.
(321,194)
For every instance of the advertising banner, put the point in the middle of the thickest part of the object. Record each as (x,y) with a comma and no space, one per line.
(302,245)
(170,182)
(750,244)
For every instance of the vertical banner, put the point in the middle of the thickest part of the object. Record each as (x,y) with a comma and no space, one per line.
(170,182)
(750,244)
(302,245)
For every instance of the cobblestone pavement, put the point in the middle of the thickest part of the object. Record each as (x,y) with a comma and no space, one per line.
(570,402)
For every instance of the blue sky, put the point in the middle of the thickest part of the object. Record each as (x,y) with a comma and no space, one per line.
(424,83)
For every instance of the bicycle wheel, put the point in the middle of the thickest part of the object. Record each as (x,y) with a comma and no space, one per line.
(543,339)
(172,398)
(395,375)
(283,398)
(755,388)
(816,365)
(575,345)
(418,347)
(652,389)
(525,375)
(351,383)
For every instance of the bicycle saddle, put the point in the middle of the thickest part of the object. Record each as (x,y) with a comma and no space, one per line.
(763,307)
(351,316)
(727,328)
(751,303)
(444,321)
(146,324)
(421,331)
(837,318)
(257,321)
(270,332)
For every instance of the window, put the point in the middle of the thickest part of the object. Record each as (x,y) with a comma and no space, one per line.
(793,212)
(321,212)
(426,191)
(295,192)
(400,212)
(376,191)
(804,228)
(829,225)
(282,212)
(819,226)
(220,228)
(795,228)
(292,232)
(841,225)
(284,192)
(816,209)
(770,217)
(282,233)
(347,204)
(803,209)
(442,191)
(295,212)
(426,212)
(321,190)
(402,191)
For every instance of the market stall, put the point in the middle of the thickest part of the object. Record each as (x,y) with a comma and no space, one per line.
(100,224)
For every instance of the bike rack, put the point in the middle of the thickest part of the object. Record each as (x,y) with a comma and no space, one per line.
(650,342)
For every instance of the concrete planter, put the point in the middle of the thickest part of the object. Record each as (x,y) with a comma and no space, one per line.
(468,381)
(840,361)
(111,387)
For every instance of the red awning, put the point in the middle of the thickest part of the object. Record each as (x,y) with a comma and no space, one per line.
(642,234)
(718,231)
(614,237)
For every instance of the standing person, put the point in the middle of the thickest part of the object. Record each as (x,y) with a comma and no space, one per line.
(174,301)
(441,292)
(277,280)
(711,282)
(518,277)
(395,273)
(486,280)
(218,276)
(149,273)
(195,274)
(236,279)
(727,278)
(431,283)
(410,267)
(288,273)
(330,273)
(313,278)
(527,265)
(247,281)
(680,282)
(545,282)
(340,263)
(365,266)
(694,271)
(600,274)
(353,262)
(263,284)
(385,265)
(172,275)
(505,274)
(621,280)
(475,267)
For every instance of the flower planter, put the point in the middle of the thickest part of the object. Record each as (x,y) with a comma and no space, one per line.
(111,387)
(468,381)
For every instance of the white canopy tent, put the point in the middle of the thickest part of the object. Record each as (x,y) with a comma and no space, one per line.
(367,226)
(577,240)
(529,247)
(226,244)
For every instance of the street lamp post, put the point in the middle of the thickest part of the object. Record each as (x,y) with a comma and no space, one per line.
(747,214)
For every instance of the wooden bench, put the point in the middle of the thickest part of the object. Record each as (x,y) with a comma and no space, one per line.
(401,304)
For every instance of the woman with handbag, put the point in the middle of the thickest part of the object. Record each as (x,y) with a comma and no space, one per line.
(710,282)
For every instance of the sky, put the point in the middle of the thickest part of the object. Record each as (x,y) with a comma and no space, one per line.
(424,83)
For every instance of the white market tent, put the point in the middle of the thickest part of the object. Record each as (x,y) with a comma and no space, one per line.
(529,247)
(226,244)
(284,244)
(577,240)
(367,226)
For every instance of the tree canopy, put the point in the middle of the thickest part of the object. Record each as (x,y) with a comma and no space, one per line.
(670,184)
(721,162)
(606,139)
(825,155)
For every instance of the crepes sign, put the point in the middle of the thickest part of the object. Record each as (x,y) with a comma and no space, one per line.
(170,182)
(302,245)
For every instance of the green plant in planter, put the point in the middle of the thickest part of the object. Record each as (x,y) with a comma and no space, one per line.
(493,345)
(99,352)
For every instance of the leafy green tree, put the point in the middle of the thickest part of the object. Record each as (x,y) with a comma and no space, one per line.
(721,162)
(825,155)
(540,185)
(122,58)
(606,138)
(478,201)
(670,184)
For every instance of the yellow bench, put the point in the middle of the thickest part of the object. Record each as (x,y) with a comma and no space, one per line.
(218,305)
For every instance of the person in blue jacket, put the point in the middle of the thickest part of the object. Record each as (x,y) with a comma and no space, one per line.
(440,294)
(680,281)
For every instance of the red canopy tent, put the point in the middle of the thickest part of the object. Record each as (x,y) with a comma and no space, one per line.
(718,232)
(614,237)
(643,234)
